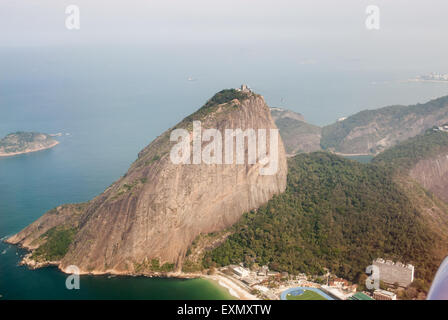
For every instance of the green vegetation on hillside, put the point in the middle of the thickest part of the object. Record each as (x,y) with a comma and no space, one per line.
(334,134)
(409,152)
(337,214)
(394,116)
(19,141)
(22,137)
(225,96)
(57,240)
(129,187)
(296,135)
(153,266)
(160,147)
(221,97)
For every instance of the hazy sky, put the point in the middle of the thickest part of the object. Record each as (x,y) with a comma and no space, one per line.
(276,46)
(27,22)
(408,28)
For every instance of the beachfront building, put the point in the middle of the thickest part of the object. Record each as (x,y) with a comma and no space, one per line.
(384,295)
(240,271)
(334,292)
(392,273)
(339,282)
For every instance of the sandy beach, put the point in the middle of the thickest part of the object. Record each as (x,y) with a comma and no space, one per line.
(234,289)
(353,154)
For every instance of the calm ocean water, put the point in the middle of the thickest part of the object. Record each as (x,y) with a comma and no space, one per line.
(110,103)
(29,186)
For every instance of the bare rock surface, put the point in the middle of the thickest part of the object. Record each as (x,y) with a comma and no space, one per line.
(432,174)
(157,209)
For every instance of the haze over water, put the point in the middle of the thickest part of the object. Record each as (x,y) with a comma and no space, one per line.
(113,97)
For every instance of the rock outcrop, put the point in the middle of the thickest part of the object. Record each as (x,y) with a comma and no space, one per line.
(420,167)
(146,220)
(432,174)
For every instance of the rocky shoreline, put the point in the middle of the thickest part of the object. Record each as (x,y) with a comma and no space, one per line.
(234,289)
(33,264)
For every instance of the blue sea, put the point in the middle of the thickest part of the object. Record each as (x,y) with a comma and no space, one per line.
(109,103)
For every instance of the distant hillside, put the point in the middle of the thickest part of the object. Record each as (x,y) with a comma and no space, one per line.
(25,142)
(424,158)
(280,113)
(298,135)
(340,214)
(368,132)
(373,131)
(408,153)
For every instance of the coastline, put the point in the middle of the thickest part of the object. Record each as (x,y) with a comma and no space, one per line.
(341,154)
(4,155)
(235,290)
(353,154)
(427,80)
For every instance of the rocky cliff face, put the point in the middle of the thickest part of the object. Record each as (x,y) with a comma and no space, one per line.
(424,158)
(420,166)
(373,131)
(432,174)
(146,220)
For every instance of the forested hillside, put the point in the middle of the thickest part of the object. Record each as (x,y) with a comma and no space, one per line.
(373,131)
(409,152)
(337,214)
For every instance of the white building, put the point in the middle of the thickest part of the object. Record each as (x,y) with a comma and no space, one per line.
(240,271)
(392,273)
(334,292)
(384,295)
(244,88)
